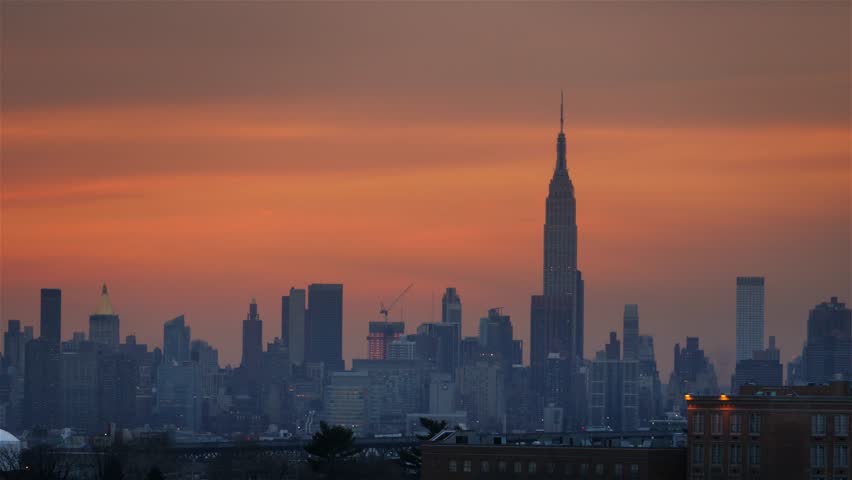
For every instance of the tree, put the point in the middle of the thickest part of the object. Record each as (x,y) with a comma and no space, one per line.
(411,457)
(155,474)
(329,447)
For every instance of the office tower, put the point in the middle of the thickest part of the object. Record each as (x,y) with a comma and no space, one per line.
(396,388)
(14,341)
(631,332)
(693,373)
(380,337)
(80,400)
(346,400)
(207,358)
(118,379)
(470,351)
(750,294)
(325,325)
(276,362)
(614,399)
(51,315)
(451,307)
(252,340)
(482,390)
(763,369)
(175,340)
(828,351)
(402,349)
(442,393)
(650,388)
(517,352)
(496,337)
(179,395)
(104,323)
(285,318)
(296,339)
(442,339)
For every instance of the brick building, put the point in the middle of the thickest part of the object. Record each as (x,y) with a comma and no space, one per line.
(793,432)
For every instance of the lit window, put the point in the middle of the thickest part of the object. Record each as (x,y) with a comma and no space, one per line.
(698,423)
(736,454)
(841,455)
(754,424)
(484,466)
(818,424)
(818,456)
(841,425)
(466,466)
(736,423)
(698,454)
(454,466)
(754,455)
(716,424)
(716,454)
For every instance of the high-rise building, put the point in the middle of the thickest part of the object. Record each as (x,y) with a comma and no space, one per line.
(325,325)
(495,336)
(42,382)
(380,337)
(346,400)
(631,332)
(104,323)
(176,340)
(614,399)
(556,317)
(482,388)
(14,341)
(252,340)
(402,349)
(80,388)
(828,351)
(750,302)
(650,389)
(285,319)
(51,315)
(443,342)
(296,339)
(693,373)
(396,388)
(764,369)
(451,307)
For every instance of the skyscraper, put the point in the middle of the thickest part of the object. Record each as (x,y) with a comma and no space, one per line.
(828,351)
(296,339)
(380,337)
(252,339)
(749,316)
(451,307)
(631,332)
(175,341)
(556,317)
(51,315)
(104,323)
(42,382)
(325,325)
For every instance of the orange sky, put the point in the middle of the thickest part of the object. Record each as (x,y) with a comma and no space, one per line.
(194,156)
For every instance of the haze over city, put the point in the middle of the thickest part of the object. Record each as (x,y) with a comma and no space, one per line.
(195,158)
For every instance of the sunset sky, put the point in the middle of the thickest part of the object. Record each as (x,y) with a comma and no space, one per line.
(194,155)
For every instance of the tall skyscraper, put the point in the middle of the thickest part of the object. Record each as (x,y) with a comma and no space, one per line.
(42,382)
(252,339)
(175,340)
(296,339)
(325,325)
(828,351)
(104,323)
(631,332)
(749,316)
(380,337)
(451,307)
(51,315)
(556,317)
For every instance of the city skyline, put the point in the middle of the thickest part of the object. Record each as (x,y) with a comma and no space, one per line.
(667,217)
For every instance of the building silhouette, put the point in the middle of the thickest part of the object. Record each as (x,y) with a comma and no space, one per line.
(750,296)
(828,352)
(614,389)
(631,332)
(451,307)
(252,340)
(325,325)
(104,323)
(764,368)
(295,324)
(42,377)
(175,340)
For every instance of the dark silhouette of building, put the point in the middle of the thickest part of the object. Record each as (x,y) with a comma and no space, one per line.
(828,351)
(496,337)
(325,325)
(650,389)
(451,307)
(14,343)
(381,334)
(104,324)
(750,306)
(51,315)
(42,381)
(771,432)
(252,340)
(631,332)
(764,368)
(693,373)
(442,339)
(614,390)
(296,325)
(176,340)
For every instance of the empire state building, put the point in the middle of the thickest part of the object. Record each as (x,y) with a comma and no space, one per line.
(556,317)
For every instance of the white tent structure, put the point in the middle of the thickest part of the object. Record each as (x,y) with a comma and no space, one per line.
(10,447)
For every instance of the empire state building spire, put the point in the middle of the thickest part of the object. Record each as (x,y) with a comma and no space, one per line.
(561,167)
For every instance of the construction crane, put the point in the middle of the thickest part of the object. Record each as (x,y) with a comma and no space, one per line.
(385,310)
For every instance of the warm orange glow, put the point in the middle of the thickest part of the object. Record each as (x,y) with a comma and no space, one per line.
(687,397)
(723,397)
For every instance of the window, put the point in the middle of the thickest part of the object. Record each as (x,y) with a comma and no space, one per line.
(634,470)
(841,425)
(501,466)
(453,466)
(568,469)
(754,424)
(736,454)
(466,466)
(599,469)
(618,469)
(818,456)
(736,423)
(818,424)
(698,423)
(518,467)
(698,454)
(584,469)
(754,455)
(551,467)
(716,454)
(841,455)
(716,424)
(484,466)
(532,467)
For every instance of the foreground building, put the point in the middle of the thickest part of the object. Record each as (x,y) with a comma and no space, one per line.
(468,455)
(771,433)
